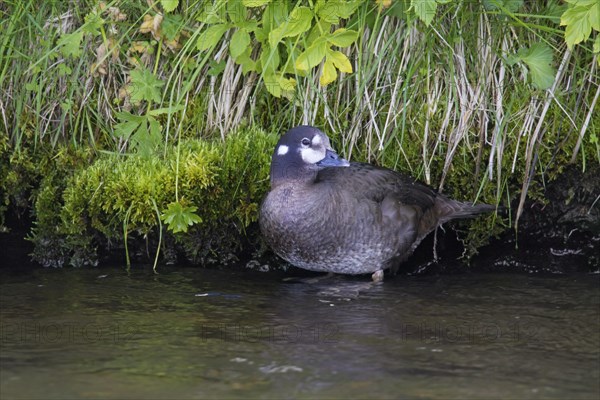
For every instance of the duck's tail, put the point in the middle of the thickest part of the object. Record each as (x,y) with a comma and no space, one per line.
(452,209)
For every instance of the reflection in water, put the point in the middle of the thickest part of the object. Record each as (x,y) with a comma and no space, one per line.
(192,333)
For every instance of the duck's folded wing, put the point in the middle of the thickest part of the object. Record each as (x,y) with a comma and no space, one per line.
(376,184)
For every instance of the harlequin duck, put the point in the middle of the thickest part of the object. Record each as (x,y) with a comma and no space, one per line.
(326,214)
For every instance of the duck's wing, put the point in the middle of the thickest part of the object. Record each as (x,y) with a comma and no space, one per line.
(376,184)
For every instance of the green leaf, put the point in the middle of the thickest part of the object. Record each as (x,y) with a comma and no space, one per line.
(93,23)
(247,63)
(340,61)
(272,84)
(211,36)
(596,48)
(424,9)
(70,44)
(216,67)
(578,20)
(273,16)
(539,59)
(239,43)
(329,73)
(171,25)
(129,123)
(299,21)
(64,70)
(214,12)
(332,10)
(179,217)
(342,37)
(254,3)
(236,11)
(145,86)
(146,141)
(169,5)
(269,59)
(312,56)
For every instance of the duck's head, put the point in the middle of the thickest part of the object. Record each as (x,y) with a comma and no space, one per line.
(301,153)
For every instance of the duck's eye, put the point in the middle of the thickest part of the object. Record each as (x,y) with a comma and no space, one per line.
(305,142)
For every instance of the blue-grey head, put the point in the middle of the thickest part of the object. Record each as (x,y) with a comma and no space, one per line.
(300,153)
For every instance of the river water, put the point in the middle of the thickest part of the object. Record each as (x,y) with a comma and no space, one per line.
(196,333)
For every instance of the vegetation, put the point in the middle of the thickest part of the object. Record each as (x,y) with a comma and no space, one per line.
(155,120)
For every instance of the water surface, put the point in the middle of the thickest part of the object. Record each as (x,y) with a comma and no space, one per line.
(195,333)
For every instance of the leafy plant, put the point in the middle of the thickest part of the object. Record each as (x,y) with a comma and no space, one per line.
(280,41)
(180,217)
(581,17)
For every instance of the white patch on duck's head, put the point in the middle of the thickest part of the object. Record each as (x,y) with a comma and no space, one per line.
(312,156)
(312,150)
(282,150)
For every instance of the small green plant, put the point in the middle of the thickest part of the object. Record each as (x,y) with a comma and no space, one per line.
(580,18)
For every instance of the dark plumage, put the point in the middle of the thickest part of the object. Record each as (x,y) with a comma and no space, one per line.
(326,214)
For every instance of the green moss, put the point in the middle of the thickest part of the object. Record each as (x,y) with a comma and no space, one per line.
(224,180)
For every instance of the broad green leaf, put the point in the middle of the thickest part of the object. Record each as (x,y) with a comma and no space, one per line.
(273,16)
(129,123)
(169,5)
(580,20)
(342,37)
(312,56)
(239,43)
(287,84)
(247,63)
(179,217)
(299,21)
(332,10)
(424,9)
(269,59)
(236,11)
(596,48)
(272,84)
(254,3)
(248,26)
(93,23)
(155,128)
(340,61)
(70,44)
(329,73)
(146,141)
(320,28)
(145,86)
(211,36)
(539,59)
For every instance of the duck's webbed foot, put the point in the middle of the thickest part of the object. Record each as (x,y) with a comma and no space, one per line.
(377,276)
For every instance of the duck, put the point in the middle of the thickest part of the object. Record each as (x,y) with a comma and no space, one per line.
(326,214)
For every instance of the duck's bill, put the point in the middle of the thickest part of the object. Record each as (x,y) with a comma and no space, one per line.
(332,159)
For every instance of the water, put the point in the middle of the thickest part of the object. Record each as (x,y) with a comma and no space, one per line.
(194,333)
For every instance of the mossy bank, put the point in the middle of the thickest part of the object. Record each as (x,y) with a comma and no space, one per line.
(83,205)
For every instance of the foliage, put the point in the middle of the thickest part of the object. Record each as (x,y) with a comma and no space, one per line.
(116,198)
(481,99)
